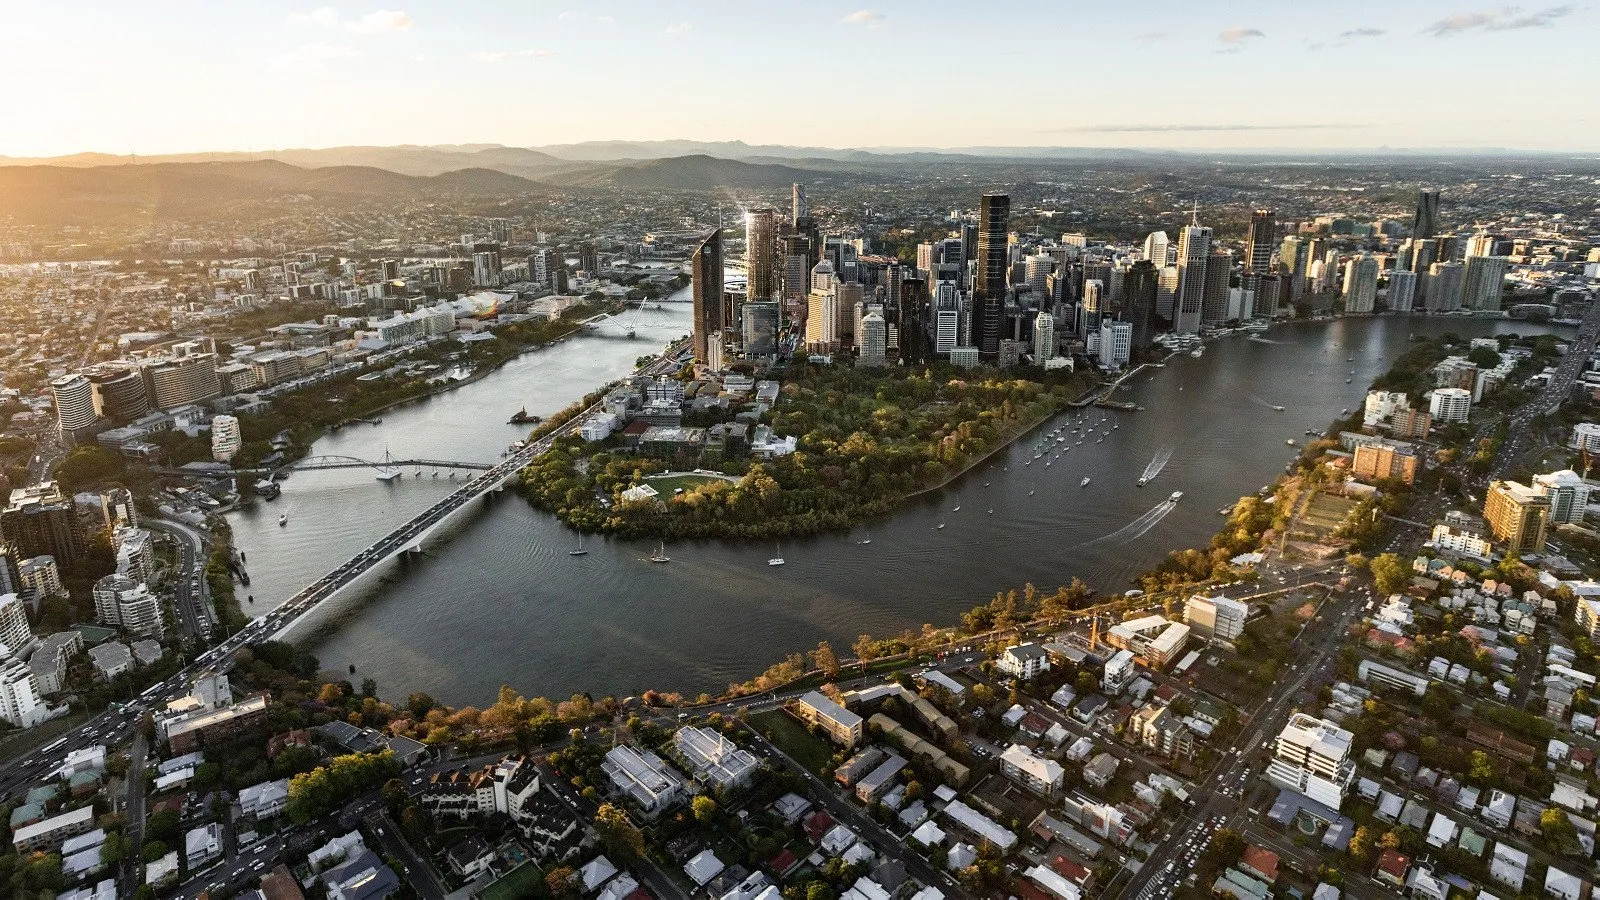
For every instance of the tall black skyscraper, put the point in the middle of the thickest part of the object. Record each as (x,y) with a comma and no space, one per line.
(913,321)
(1259,241)
(989,281)
(1426,224)
(1139,301)
(706,276)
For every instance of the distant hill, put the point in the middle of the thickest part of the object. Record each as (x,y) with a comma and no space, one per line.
(56,195)
(688,173)
(407,159)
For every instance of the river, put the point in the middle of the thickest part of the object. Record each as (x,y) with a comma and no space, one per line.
(497,600)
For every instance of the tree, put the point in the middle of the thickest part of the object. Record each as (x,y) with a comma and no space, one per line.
(1559,834)
(824,659)
(1391,574)
(559,881)
(617,831)
(1085,684)
(1439,703)
(705,808)
(154,850)
(1227,844)
(1361,844)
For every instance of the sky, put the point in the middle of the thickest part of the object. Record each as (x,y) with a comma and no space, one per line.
(167,76)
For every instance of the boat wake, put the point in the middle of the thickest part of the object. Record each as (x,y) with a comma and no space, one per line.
(1262,340)
(1261,402)
(1158,463)
(1139,527)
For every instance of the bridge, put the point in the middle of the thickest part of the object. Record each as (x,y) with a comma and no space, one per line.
(313,463)
(629,326)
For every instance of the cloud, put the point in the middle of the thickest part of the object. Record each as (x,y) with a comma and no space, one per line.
(570,15)
(1174,128)
(1507,18)
(326,16)
(311,56)
(863,17)
(1361,33)
(539,53)
(1240,35)
(1151,36)
(605,20)
(381,21)
(679,28)
(487,57)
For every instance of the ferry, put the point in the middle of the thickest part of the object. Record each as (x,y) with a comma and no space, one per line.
(1176,496)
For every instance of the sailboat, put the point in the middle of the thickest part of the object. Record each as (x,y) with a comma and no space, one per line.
(387,471)
(777,560)
(661,554)
(580,551)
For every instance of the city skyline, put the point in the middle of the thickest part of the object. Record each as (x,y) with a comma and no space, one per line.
(237,79)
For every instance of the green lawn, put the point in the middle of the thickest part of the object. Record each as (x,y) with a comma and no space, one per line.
(519,882)
(792,738)
(666,484)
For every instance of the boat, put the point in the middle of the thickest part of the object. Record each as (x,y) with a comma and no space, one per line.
(580,551)
(939,527)
(1291,442)
(388,471)
(1084,482)
(283,520)
(1176,496)
(1277,409)
(661,554)
(522,418)
(991,512)
(777,560)
(1030,493)
(1348,380)
(957,508)
(864,542)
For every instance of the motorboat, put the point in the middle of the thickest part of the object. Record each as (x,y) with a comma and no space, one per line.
(1143,481)
(1176,496)
(1084,482)
(283,520)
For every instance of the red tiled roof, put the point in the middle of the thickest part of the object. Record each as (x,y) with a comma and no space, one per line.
(1262,860)
(1070,870)
(817,825)
(783,862)
(1394,863)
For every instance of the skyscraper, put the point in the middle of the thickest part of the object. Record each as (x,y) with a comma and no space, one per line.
(1139,301)
(874,336)
(1044,338)
(1483,282)
(1402,290)
(1194,245)
(1155,248)
(1219,272)
(1258,241)
(797,206)
(1089,307)
(989,281)
(1444,287)
(760,245)
(1360,284)
(822,316)
(913,321)
(1426,222)
(706,276)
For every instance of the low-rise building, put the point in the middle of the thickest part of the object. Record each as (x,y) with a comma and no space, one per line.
(202,845)
(840,724)
(714,760)
(264,800)
(1040,775)
(51,833)
(643,778)
(1024,661)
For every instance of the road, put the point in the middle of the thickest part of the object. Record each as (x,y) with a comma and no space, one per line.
(133,815)
(417,872)
(114,726)
(189,600)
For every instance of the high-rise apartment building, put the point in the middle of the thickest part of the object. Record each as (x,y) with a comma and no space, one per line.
(1259,240)
(1450,404)
(16,638)
(705,271)
(41,521)
(1568,494)
(989,280)
(1044,338)
(1518,515)
(1483,281)
(1194,246)
(1425,223)
(226,438)
(760,246)
(1155,249)
(1312,758)
(822,314)
(74,400)
(122,602)
(1402,290)
(874,337)
(1360,284)
(1443,288)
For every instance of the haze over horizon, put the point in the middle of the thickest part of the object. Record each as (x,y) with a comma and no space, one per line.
(180,78)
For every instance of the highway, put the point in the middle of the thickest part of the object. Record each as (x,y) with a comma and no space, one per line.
(189,594)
